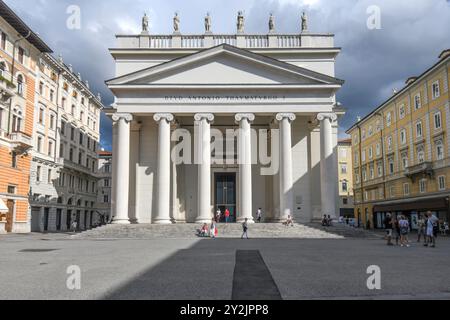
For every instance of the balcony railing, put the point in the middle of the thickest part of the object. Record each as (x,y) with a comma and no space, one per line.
(21,139)
(271,40)
(425,168)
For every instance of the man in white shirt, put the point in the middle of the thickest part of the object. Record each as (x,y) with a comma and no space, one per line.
(432,227)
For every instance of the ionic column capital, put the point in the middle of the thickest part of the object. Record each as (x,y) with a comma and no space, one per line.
(201,116)
(241,116)
(163,116)
(125,116)
(290,116)
(330,116)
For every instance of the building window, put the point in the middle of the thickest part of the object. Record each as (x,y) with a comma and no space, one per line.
(388,119)
(17,119)
(80,157)
(437,120)
(417,101)
(423,186)
(435,90)
(106,184)
(406,189)
(378,149)
(343,168)
(38,173)
(364,175)
(345,201)
(403,136)
(71,154)
(372,172)
(106,198)
(3,42)
(21,55)
(379,170)
(419,131)
(439,150)
(401,111)
(81,138)
(441,183)
(392,191)
(20,85)
(363,156)
(389,143)
(11,189)
(61,150)
(52,121)
(73,110)
(391,166)
(63,103)
(49,176)
(370,131)
(370,153)
(39,144)
(14,159)
(2,69)
(81,116)
(41,115)
(52,95)
(50,148)
(41,88)
(421,156)
(72,133)
(405,161)
(344,185)
(63,127)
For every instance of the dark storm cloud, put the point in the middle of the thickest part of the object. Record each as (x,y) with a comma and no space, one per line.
(372,62)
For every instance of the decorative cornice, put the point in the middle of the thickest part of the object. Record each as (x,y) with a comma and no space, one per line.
(200,116)
(126,116)
(163,116)
(290,116)
(241,116)
(330,116)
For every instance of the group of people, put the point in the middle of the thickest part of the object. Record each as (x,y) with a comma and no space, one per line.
(428,228)
(327,221)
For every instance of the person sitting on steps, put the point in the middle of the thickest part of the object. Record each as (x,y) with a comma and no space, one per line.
(289,221)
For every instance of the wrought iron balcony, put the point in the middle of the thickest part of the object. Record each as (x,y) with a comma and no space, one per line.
(425,168)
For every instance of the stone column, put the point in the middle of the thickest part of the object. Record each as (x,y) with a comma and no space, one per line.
(203,158)
(286,180)
(163,173)
(327,180)
(122,158)
(245,166)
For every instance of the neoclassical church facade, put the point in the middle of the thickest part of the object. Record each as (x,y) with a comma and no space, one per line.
(212,121)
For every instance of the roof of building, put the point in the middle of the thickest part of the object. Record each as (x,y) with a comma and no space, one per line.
(443,57)
(104,153)
(345,141)
(22,28)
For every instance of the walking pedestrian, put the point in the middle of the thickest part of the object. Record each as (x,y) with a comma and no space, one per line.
(227,215)
(432,229)
(421,232)
(388,227)
(404,230)
(74,226)
(212,229)
(245,229)
(259,215)
(218,215)
(397,230)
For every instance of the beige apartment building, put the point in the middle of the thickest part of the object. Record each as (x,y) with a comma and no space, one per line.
(401,151)
(345,174)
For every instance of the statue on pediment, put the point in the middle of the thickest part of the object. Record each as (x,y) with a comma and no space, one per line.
(176,23)
(271,23)
(304,22)
(145,23)
(240,22)
(208,23)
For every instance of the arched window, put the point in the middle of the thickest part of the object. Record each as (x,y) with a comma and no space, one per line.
(17,119)
(69,202)
(20,84)
(60,200)
(79,203)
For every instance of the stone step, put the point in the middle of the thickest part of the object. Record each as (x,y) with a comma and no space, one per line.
(231,230)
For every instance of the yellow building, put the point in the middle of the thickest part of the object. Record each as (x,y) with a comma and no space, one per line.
(345,173)
(401,151)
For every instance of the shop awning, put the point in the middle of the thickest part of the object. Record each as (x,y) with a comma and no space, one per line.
(433,204)
(3,207)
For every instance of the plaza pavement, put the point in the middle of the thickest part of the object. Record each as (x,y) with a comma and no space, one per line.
(34,267)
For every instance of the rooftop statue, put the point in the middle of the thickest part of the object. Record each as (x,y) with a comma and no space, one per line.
(207,23)
(304,22)
(145,23)
(271,23)
(176,23)
(240,22)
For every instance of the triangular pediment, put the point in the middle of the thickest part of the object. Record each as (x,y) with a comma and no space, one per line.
(225,65)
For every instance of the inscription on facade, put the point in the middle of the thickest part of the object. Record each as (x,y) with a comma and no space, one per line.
(213,98)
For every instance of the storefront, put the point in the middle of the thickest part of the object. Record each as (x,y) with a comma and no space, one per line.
(412,209)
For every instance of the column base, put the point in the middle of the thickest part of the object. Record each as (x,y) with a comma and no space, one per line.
(242,219)
(162,221)
(121,221)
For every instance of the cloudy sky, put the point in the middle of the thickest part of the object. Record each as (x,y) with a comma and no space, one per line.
(373,62)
